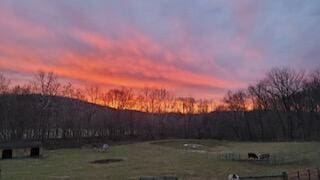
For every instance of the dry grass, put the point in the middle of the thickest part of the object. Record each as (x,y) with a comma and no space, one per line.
(159,158)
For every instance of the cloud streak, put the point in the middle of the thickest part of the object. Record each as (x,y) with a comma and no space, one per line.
(198,48)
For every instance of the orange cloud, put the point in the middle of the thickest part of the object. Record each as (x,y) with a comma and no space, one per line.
(132,60)
(137,56)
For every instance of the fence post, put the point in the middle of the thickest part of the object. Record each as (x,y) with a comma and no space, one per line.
(309,174)
(298,175)
(285,175)
(318,173)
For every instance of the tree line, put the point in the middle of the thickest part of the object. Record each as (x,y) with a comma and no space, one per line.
(283,106)
(151,100)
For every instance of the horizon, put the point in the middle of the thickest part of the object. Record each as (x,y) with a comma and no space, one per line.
(191,48)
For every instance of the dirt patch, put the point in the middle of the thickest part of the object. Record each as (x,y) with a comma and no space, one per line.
(61,177)
(106,161)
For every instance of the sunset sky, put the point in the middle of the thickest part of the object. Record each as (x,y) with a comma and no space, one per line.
(199,48)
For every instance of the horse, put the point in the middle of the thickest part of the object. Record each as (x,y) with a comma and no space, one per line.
(233,177)
(253,156)
(105,147)
(264,156)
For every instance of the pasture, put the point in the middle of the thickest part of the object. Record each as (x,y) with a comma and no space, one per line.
(168,157)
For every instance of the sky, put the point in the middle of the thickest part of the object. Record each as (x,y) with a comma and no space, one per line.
(192,48)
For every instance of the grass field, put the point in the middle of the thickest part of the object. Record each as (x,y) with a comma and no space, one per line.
(160,158)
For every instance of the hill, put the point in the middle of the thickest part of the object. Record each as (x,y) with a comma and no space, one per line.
(54,118)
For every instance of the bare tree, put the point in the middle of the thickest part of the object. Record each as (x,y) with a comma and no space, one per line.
(46,83)
(4,84)
(203,106)
(121,98)
(260,103)
(68,91)
(21,90)
(310,102)
(283,85)
(237,103)
(126,98)
(94,94)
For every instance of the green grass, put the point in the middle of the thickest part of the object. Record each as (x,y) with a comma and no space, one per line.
(160,158)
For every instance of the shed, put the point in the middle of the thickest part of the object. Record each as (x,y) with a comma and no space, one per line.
(20,149)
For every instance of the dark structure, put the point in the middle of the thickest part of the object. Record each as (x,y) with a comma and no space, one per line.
(20,149)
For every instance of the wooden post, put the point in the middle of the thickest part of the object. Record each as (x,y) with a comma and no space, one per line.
(285,175)
(318,173)
(298,175)
(309,174)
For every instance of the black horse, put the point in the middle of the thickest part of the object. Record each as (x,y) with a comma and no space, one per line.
(253,156)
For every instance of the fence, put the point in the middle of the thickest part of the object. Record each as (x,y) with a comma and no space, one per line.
(276,159)
(229,156)
(307,174)
(283,176)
